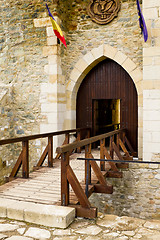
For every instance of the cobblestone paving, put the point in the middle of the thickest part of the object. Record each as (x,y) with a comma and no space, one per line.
(108,227)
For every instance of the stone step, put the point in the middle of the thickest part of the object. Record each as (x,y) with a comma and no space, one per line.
(42,214)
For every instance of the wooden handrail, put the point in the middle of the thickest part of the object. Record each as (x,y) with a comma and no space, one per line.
(23,159)
(84,142)
(43,135)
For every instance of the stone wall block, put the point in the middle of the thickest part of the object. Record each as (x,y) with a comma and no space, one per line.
(89,58)
(51,69)
(48,107)
(48,88)
(82,65)
(151,51)
(129,65)
(75,74)
(136,75)
(120,57)
(150,13)
(47,128)
(147,61)
(109,51)
(53,78)
(49,50)
(152,94)
(70,85)
(98,52)
(52,59)
(151,72)
(52,41)
(42,22)
(151,4)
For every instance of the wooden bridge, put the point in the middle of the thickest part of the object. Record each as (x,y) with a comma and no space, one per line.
(63,182)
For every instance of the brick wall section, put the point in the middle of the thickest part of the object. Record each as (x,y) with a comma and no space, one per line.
(151,81)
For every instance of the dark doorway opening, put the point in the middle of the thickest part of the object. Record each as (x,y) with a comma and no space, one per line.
(108,81)
(105,115)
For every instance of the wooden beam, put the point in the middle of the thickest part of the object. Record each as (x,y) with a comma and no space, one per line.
(117,151)
(102,155)
(64,180)
(112,164)
(78,140)
(99,188)
(123,147)
(43,157)
(122,165)
(25,159)
(87,152)
(90,213)
(50,151)
(16,167)
(97,171)
(112,174)
(87,141)
(111,148)
(128,144)
(83,200)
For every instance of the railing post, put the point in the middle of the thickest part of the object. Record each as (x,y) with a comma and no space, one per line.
(117,140)
(79,139)
(50,151)
(102,155)
(87,152)
(64,181)
(25,159)
(123,137)
(111,147)
(66,141)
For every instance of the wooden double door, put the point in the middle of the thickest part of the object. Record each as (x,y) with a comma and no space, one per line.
(106,88)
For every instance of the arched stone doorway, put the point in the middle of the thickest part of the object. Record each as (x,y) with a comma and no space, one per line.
(81,69)
(106,97)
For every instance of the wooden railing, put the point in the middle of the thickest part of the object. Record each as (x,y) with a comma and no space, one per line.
(118,141)
(23,159)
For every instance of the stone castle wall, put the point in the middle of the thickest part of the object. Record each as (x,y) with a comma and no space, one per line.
(136,194)
(40,80)
(21,73)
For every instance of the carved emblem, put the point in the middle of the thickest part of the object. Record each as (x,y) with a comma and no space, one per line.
(103,11)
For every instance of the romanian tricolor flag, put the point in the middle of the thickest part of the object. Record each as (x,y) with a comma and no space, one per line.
(142,23)
(57,30)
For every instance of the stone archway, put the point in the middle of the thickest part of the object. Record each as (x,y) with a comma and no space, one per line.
(85,64)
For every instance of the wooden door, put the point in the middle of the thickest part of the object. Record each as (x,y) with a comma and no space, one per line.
(108,80)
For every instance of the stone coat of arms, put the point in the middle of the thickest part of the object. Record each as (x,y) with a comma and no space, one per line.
(103,11)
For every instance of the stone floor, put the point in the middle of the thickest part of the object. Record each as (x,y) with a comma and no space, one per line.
(108,227)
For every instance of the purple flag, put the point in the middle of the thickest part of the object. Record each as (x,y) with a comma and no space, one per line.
(142,23)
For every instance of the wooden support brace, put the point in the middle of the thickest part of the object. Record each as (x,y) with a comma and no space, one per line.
(83,200)
(97,171)
(112,164)
(90,213)
(16,167)
(43,157)
(123,148)
(117,151)
(99,188)
(112,174)
(133,153)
